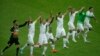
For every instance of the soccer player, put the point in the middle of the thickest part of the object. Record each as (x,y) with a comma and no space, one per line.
(31,33)
(14,37)
(49,33)
(80,22)
(42,36)
(71,27)
(60,31)
(87,25)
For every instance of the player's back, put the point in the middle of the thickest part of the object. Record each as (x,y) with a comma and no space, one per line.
(42,28)
(60,21)
(72,16)
(31,27)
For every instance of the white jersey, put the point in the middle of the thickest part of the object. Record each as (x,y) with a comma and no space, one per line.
(60,22)
(88,15)
(43,28)
(72,17)
(31,28)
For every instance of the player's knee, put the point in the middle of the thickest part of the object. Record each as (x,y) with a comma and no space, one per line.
(70,31)
(52,41)
(90,29)
(78,31)
(9,45)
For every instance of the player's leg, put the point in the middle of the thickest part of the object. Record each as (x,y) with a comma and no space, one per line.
(31,50)
(58,34)
(73,32)
(17,50)
(52,43)
(73,36)
(17,46)
(81,28)
(21,49)
(45,42)
(64,38)
(88,28)
(10,42)
(8,46)
(32,45)
(68,35)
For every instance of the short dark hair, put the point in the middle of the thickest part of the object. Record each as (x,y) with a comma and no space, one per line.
(59,13)
(90,8)
(14,21)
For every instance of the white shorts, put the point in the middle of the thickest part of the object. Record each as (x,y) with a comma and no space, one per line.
(80,26)
(71,26)
(49,35)
(43,39)
(30,39)
(60,32)
(87,24)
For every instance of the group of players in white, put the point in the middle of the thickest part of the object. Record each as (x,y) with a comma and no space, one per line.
(83,27)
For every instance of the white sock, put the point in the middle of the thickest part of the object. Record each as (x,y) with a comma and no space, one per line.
(84,37)
(31,50)
(64,42)
(68,34)
(52,46)
(73,36)
(24,47)
(44,50)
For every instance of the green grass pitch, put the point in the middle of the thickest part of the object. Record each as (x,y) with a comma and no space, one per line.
(9,9)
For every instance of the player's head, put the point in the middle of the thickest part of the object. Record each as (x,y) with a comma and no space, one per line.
(83,9)
(30,19)
(70,9)
(15,21)
(73,10)
(43,21)
(59,13)
(90,9)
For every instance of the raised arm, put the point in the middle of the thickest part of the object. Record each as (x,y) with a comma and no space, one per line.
(65,13)
(22,25)
(37,19)
(51,20)
(81,9)
(40,19)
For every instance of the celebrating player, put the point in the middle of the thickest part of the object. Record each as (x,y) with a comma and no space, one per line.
(60,31)
(31,33)
(87,25)
(80,22)
(49,33)
(72,30)
(42,36)
(14,37)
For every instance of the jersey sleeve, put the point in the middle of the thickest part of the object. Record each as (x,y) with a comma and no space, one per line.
(22,24)
(63,16)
